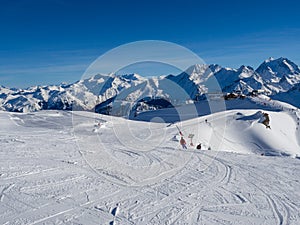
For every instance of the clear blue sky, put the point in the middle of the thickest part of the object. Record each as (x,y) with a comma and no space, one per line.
(51,41)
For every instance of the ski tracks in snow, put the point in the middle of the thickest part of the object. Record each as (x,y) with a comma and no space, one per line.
(4,190)
(203,191)
(208,188)
(282,207)
(188,184)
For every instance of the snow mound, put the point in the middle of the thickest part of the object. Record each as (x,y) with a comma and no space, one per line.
(244,131)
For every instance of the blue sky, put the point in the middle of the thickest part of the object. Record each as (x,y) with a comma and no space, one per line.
(48,42)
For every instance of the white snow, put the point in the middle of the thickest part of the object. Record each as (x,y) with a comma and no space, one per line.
(55,170)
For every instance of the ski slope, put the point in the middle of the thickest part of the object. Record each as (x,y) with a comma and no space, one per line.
(60,167)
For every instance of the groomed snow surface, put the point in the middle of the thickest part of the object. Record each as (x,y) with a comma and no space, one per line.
(60,167)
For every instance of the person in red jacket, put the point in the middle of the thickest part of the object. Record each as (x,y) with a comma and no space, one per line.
(183,143)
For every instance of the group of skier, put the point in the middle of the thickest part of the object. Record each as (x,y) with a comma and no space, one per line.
(184,144)
(183,141)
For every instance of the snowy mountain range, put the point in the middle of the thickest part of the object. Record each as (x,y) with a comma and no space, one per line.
(122,94)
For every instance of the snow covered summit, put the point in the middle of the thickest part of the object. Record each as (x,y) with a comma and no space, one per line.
(279,75)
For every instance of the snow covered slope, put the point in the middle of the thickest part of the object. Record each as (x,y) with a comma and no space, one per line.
(59,167)
(243,132)
(291,97)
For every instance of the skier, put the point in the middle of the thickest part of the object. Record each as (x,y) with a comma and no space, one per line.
(97,127)
(199,146)
(183,143)
(191,137)
(181,134)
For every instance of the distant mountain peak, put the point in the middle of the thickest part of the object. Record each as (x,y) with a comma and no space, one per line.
(197,68)
(132,76)
(245,68)
(269,60)
(279,60)
(278,67)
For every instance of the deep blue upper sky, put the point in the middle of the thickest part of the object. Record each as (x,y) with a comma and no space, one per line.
(52,41)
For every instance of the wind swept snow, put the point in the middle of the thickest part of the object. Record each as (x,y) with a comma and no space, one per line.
(56,169)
